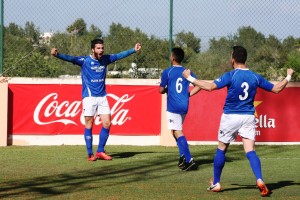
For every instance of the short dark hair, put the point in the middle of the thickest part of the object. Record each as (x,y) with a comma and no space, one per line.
(178,54)
(96,41)
(239,54)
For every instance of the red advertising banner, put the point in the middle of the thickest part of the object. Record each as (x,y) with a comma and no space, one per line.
(53,109)
(277,115)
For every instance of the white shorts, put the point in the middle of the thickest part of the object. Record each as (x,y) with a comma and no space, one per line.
(93,105)
(175,121)
(232,124)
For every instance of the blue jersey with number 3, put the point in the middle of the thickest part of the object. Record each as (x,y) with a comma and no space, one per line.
(178,89)
(242,85)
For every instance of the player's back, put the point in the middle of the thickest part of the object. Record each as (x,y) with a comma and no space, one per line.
(178,90)
(241,92)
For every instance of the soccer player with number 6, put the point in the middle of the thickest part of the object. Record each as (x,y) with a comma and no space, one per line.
(178,94)
(238,115)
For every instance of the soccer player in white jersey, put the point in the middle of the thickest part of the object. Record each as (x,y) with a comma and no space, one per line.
(238,116)
(177,89)
(94,100)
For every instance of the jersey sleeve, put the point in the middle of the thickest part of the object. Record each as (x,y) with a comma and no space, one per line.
(193,75)
(76,60)
(121,55)
(223,80)
(264,84)
(164,79)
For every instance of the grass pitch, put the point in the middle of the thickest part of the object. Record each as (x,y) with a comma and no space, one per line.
(136,172)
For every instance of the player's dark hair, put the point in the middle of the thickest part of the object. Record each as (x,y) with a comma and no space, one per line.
(178,54)
(239,54)
(96,41)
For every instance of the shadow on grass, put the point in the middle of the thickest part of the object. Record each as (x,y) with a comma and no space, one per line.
(271,186)
(127,154)
(281,184)
(96,175)
(90,176)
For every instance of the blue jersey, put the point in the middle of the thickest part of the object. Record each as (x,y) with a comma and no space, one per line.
(242,85)
(93,71)
(178,89)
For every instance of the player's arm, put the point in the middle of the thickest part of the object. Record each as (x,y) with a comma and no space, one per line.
(282,84)
(124,54)
(163,90)
(205,85)
(3,79)
(195,90)
(64,57)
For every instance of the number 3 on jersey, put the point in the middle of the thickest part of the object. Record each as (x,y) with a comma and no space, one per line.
(179,85)
(244,85)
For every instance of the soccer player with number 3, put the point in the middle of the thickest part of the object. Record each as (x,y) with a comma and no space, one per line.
(177,89)
(238,115)
(94,100)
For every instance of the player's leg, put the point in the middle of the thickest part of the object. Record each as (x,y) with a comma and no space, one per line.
(89,110)
(175,122)
(252,157)
(181,155)
(226,135)
(104,133)
(219,161)
(105,116)
(103,137)
(88,137)
(255,165)
(175,125)
(247,132)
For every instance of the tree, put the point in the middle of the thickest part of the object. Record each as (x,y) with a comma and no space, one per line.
(188,40)
(14,29)
(78,27)
(31,32)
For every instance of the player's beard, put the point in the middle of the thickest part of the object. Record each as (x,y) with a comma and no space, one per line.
(98,56)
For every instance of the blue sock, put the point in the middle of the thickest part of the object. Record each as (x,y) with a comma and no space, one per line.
(255,164)
(88,137)
(184,148)
(219,162)
(103,136)
(180,151)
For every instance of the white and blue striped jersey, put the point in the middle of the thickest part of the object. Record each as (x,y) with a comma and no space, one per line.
(93,71)
(177,89)
(242,85)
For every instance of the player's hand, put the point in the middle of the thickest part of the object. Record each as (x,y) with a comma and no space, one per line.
(54,52)
(137,46)
(3,79)
(186,73)
(290,72)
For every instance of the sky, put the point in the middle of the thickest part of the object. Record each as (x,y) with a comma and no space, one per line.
(205,18)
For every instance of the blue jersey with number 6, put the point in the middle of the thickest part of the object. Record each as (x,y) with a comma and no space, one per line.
(178,89)
(242,85)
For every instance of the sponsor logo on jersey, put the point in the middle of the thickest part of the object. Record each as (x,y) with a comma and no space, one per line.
(98,68)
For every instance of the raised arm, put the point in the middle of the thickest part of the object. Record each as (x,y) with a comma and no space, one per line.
(205,85)
(126,53)
(64,57)
(3,79)
(282,84)
(137,47)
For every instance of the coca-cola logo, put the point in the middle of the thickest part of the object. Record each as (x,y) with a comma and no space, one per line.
(65,112)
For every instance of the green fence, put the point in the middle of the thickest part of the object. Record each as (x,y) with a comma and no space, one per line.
(206,29)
